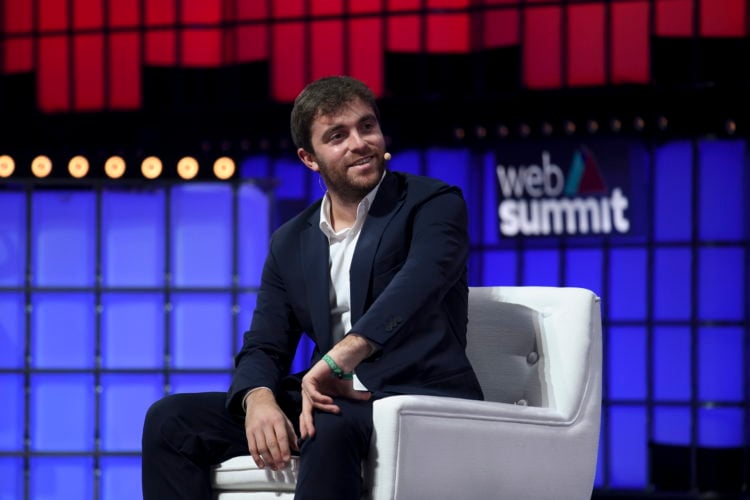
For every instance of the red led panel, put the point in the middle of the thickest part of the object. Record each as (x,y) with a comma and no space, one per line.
(541,48)
(366,52)
(201,48)
(52,15)
(674,18)
(161,47)
(447,4)
(124,71)
(16,17)
(404,34)
(251,9)
(287,61)
(399,5)
(88,72)
(586,45)
(87,14)
(124,13)
(201,11)
(327,7)
(365,6)
(501,2)
(252,43)
(722,18)
(160,13)
(53,91)
(500,28)
(288,8)
(327,44)
(630,42)
(17,55)
(448,33)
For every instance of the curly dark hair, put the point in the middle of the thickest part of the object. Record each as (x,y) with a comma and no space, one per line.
(325,96)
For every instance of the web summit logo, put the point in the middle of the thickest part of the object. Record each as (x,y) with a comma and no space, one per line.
(540,200)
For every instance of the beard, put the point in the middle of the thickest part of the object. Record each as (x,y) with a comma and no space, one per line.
(348,186)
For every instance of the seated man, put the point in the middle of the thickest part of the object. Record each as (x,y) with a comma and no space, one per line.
(375,274)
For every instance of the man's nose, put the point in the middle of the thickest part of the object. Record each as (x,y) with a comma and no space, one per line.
(356,141)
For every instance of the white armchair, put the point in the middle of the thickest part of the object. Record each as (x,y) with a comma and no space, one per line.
(537,353)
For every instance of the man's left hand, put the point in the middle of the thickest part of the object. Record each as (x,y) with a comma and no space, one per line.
(319,385)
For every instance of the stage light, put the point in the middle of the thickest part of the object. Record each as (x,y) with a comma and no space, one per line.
(480,132)
(78,167)
(224,168)
(459,133)
(41,166)
(502,131)
(662,122)
(114,167)
(615,125)
(638,123)
(7,166)
(569,127)
(547,128)
(151,167)
(592,126)
(731,127)
(187,167)
(524,130)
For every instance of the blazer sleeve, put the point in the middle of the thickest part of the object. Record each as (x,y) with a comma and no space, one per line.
(435,262)
(270,343)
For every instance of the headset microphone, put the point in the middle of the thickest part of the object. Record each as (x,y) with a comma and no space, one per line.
(387,156)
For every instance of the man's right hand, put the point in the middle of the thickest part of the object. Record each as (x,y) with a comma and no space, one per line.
(270,434)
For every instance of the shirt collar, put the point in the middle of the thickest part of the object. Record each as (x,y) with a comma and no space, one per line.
(362,209)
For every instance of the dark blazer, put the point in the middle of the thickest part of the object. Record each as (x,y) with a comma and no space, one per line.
(409,295)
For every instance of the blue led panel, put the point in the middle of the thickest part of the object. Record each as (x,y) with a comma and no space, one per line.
(12,330)
(721,183)
(626,355)
(721,427)
(292,177)
(125,399)
(720,364)
(499,268)
(721,284)
(201,335)
(672,284)
(583,268)
(451,166)
(11,472)
(132,333)
(673,186)
(627,284)
(63,238)
(541,268)
(628,447)
(673,425)
(253,231)
(672,363)
(121,478)
(491,219)
(200,382)
(62,330)
(12,238)
(255,167)
(133,241)
(202,233)
(68,430)
(12,416)
(62,478)
(406,161)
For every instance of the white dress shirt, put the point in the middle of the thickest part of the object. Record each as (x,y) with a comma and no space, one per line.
(341,250)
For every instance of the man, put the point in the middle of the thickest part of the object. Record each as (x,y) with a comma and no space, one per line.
(375,274)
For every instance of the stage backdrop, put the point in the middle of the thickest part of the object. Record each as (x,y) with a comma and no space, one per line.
(113,294)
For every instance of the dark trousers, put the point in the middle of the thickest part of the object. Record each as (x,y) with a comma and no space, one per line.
(185,434)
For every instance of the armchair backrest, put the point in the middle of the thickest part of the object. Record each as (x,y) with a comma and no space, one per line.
(536,346)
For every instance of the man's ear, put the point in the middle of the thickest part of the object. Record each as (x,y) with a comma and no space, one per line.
(308,159)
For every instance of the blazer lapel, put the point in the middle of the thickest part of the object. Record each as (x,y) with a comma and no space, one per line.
(383,208)
(315,268)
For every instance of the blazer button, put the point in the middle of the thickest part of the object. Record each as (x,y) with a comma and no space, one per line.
(532,358)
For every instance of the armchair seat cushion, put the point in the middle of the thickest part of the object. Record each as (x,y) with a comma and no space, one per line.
(241,474)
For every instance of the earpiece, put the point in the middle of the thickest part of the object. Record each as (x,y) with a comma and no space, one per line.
(387,156)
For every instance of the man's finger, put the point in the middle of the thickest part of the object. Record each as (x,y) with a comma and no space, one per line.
(255,451)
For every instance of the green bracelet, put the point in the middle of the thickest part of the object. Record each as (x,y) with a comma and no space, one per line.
(336,369)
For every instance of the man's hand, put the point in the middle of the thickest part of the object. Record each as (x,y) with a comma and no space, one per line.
(319,385)
(270,434)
